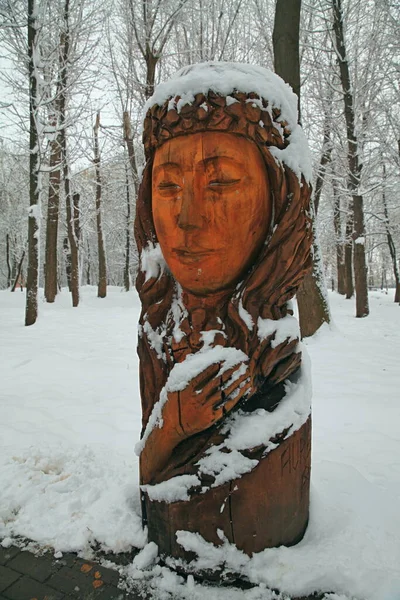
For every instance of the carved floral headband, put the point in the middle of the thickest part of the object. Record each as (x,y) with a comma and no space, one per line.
(239,113)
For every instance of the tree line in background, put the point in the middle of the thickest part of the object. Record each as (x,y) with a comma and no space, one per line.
(77,74)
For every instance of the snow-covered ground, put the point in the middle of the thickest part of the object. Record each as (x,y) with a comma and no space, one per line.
(70,417)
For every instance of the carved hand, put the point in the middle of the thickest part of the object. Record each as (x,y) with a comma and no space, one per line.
(208,398)
(205,401)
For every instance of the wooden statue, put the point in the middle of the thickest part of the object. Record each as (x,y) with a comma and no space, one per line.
(223,232)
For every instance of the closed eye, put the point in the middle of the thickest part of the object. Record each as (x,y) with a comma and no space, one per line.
(168,185)
(223,182)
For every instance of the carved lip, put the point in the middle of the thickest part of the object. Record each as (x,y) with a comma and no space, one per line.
(192,254)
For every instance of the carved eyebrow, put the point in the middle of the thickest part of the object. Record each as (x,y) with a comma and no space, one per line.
(166,165)
(211,159)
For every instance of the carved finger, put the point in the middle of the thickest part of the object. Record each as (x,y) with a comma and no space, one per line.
(213,385)
(233,375)
(236,396)
(199,382)
(235,384)
(220,387)
(271,359)
(227,374)
(233,394)
(211,393)
(285,368)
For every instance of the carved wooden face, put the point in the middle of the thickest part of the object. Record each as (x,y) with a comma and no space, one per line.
(211,208)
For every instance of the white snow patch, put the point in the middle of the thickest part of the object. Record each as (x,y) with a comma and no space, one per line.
(284,329)
(296,155)
(152,261)
(35,212)
(230,100)
(146,557)
(245,316)
(156,339)
(172,490)
(70,499)
(225,466)
(208,337)
(179,312)
(194,364)
(210,556)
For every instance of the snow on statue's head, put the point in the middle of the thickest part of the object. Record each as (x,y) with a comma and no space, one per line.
(222,224)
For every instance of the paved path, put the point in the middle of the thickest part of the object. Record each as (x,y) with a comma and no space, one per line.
(25,576)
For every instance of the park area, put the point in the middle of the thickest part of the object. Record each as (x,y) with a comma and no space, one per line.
(70,417)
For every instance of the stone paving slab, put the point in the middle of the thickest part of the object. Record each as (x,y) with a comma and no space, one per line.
(27,588)
(27,576)
(7,553)
(29,564)
(7,577)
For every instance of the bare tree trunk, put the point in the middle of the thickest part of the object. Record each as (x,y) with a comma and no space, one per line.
(128,139)
(397,294)
(50,269)
(77,223)
(324,161)
(392,247)
(102,284)
(88,280)
(31,309)
(360,264)
(9,280)
(132,161)
(73,245)
(285,39)
(67,257)
(311,296)
(348,255)
(151,63)
(127,281)
(18,272)
(50,272)
(337,223)
(359,233)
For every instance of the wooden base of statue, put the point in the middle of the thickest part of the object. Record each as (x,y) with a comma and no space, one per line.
(265,508)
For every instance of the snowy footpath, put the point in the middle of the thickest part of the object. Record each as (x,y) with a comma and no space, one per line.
(70,417)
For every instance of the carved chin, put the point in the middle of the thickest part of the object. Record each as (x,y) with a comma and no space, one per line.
(197,273)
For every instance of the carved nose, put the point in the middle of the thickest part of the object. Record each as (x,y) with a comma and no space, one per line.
(189,217)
